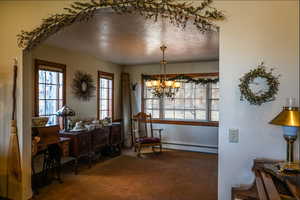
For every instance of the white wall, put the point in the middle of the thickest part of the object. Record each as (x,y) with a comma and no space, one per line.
(254,30)
(204,139)
(79,61)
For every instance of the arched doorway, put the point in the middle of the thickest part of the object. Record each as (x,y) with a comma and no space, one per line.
(34,38)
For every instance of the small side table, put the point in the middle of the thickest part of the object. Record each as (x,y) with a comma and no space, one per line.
(49,157)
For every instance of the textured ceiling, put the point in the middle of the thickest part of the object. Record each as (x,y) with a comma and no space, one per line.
(130,39)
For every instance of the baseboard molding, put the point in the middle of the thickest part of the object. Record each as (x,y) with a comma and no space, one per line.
(191,147)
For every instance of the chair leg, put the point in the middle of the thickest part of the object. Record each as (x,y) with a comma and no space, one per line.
(139,149)
(160,148)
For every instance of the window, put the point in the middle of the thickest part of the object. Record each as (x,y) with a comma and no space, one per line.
(214,101)
(50,89)
(105,93)
(192,103)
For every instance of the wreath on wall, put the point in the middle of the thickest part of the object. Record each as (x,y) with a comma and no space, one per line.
(83,86)
(259,96)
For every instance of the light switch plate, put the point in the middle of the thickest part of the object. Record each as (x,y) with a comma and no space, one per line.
(233,135)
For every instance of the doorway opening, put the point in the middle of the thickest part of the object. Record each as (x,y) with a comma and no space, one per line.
(109,46)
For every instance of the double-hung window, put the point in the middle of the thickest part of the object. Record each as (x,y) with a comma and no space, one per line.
(105,93)
(49,89)
(192,103)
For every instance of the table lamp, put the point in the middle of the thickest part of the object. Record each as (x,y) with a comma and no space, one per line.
(289,119)
(65,112)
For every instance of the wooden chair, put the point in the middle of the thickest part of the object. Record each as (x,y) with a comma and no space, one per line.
(141,138)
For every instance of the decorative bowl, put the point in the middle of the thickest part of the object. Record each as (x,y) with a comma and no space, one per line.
(39,121)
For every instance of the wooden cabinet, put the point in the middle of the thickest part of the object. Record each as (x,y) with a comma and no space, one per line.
(115,135)
(82,144)
(115,139)
(87,143)
(100,138)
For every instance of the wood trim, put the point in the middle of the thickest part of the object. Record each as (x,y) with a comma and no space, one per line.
(117,120)
(97,94)
(50,64)
(142,94)
(37,64)
(260,187)
(192,123)
(101,73)
(105,75)
(270,187)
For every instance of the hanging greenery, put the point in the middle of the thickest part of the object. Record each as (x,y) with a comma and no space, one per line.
(185,79)
(83,86)
(261,96)
(178,14)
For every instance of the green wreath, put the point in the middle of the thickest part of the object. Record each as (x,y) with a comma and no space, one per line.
(267,96)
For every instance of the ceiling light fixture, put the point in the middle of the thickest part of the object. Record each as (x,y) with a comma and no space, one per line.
(162,87)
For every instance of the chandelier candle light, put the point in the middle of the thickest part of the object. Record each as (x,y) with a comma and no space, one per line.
(162,86)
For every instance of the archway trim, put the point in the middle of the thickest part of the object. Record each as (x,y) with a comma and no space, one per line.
(179,14)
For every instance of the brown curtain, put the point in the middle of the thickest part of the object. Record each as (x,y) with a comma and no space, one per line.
(126,109)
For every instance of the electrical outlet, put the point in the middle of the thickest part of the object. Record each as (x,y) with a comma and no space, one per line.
(233,135)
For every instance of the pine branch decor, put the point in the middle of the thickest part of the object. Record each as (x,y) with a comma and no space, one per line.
(179,14)
(185,79)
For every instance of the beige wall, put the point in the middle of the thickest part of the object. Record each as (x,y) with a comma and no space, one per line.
(206,138)
(15,16)
(254,30)
(79,61)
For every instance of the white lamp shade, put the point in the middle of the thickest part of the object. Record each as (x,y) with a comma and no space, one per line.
(148,83)
(155,83)
(169,83)
(177,85)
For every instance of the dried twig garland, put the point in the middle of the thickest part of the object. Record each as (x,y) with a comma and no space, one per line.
(178,14)
(185,79)
(259,72)
(83,86)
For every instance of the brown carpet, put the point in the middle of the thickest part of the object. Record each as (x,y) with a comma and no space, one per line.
(172,175)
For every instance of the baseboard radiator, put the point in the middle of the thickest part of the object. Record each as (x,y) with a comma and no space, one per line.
(191,147)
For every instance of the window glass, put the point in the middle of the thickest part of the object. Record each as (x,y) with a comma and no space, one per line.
(105,96)
(192,102)
(214,102)
(50,94)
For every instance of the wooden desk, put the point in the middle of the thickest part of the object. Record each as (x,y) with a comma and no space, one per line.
(50,153)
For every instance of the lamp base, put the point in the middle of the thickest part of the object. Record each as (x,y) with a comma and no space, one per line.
(292,167)
(290,139)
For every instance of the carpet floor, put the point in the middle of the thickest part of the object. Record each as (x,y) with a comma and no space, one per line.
(172,175)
